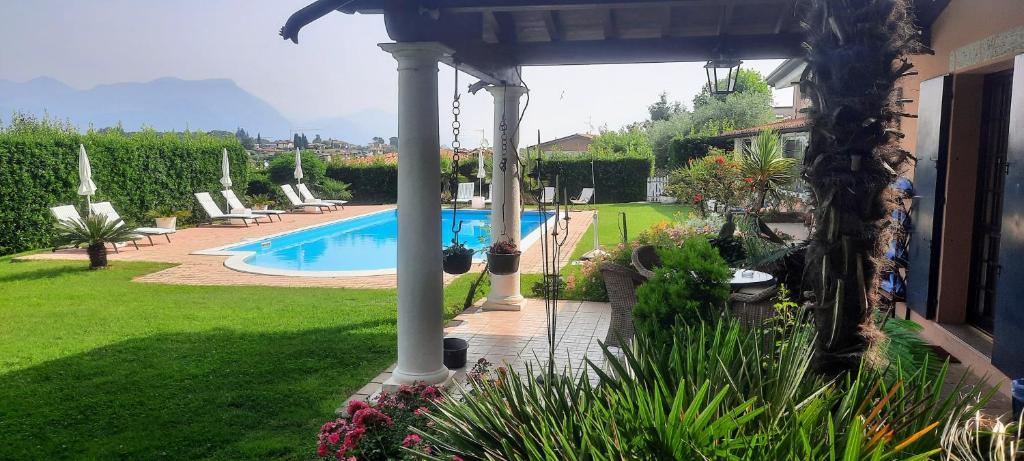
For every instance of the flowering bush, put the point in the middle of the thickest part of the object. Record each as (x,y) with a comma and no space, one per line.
(714,177)
(380,431)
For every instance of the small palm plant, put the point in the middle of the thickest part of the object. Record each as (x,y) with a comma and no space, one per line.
(94,232)
(768,170)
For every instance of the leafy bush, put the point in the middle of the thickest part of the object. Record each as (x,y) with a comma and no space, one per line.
(369,183)
(282,168)
(332,189)
(260,184)
(380,431)
(683,148)
(692,284)
(136,172)
(714,177)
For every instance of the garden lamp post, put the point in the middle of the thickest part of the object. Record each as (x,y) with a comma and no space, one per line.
(722,74)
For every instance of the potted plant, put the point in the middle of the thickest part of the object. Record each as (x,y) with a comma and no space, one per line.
(260,202)
(94,232)
(166,217)
(457,258)
(503,257)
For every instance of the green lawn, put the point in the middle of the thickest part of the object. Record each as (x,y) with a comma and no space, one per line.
(95,366)
(639,217)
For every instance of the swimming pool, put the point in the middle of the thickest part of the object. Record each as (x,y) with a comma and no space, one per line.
(363,245)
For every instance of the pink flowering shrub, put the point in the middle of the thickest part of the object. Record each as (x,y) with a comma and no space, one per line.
(380,431)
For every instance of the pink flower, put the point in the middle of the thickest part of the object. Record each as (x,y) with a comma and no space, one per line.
(411,440)
(352,439)
(321,450)
(369,416)
(457,458)
(354,406)
(421,411)
(334,438)
(431,393)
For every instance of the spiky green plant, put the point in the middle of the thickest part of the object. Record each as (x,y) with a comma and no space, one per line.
(856,52)
(765,165)
(94,232)
(713,391)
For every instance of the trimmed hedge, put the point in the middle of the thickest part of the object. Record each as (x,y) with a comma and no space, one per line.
(136,172)
(619,178)
(369,183)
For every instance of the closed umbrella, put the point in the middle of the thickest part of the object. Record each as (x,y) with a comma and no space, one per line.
(481,173)
(298,165)
(85,185)
(225,171)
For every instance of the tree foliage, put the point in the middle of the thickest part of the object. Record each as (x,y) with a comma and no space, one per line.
(662,109)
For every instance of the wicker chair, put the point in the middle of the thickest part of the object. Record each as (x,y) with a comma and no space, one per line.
(754,306)
(646,260)
(621,283)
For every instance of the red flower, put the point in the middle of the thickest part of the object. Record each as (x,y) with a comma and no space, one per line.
(334,438)
(354,406)
(720,161)
(749,180)
(411,440)
(352,439)
(457,458)
(421,411)
(698,198)
(321,450)
(431,393)
(369,416)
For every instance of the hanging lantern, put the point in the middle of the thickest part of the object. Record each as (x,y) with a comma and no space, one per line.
(722,74)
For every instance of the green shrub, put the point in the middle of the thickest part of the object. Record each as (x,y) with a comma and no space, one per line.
(692,284)
(282,168)
(619,178)
(682,149)
(332,189)
(368,183)
(137,172)
(260,184)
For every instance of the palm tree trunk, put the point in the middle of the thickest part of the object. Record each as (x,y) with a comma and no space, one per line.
(856,53)
(97,255)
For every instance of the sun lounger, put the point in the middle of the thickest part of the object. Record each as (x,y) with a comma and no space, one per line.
(215,214)
(297,203)
(308,196)
(107,210)
(235,204)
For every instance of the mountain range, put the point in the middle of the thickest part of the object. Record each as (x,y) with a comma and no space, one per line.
(172,104)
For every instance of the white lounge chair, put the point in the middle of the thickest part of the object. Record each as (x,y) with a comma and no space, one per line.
(214,213)
(235,204)
(296,203)
(548,196)
(465,194)
(66,214)
(586,195)
(107,210)
(307,195)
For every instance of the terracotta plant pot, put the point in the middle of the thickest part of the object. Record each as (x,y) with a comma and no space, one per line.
(456,264)
(503,264)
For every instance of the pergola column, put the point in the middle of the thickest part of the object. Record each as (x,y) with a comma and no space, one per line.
(420,283)
(505,192)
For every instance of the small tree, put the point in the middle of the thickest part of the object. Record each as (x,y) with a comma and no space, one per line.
(94,232)
(768,170)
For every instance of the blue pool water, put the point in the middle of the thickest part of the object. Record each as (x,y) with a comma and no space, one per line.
(364,243)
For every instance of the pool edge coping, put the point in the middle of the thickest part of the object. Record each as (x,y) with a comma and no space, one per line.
(236,259)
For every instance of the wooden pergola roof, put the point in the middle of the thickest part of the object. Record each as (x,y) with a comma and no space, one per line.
(492,37)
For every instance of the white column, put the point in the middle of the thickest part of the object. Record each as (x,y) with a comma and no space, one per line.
(505,293)
(420,284)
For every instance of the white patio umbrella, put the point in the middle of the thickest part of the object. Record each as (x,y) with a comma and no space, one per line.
(298,165)
(85,185)
(225,171)
(481,173)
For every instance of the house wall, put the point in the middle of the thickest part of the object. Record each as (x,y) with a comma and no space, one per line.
(970,38)
(573,144)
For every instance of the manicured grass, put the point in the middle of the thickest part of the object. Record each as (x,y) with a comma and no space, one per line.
(95,366)
(639,217)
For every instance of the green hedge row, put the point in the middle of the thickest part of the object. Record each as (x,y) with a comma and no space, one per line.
(619,178)
(136,172)
(370,183)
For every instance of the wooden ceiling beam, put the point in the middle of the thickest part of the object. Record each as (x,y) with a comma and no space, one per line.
(784,14)
(551,24)
(611,31)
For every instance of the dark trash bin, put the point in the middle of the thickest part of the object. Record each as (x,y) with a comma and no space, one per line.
(455,350)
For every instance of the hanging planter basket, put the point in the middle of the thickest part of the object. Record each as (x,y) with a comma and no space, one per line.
(457,263)
(503,264)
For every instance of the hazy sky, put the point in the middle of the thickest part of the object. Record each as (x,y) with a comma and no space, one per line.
(335,70)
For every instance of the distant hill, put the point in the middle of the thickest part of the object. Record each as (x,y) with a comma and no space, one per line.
(164,104)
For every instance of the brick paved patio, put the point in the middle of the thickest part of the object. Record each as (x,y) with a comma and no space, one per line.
(195,269)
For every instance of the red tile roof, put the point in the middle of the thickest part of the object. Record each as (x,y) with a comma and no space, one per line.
(784,125)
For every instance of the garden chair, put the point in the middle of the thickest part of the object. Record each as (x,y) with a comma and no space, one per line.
(621,283)
(65,214)
(214,213)
(107,210)
(235,204)
(308,196)
(296,203)
(548,196)
(586,195)
(754,306)
(465,193)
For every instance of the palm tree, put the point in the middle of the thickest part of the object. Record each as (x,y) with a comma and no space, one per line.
(856,52)
(95,231)
(766,167)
